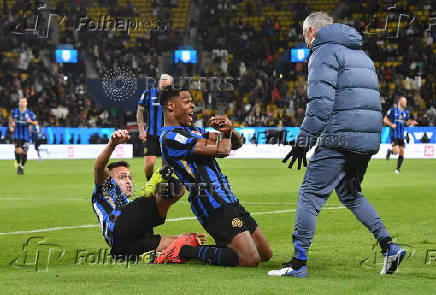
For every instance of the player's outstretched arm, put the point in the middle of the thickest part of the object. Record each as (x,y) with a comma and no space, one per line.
(141,122)
(101,173)
(411,123)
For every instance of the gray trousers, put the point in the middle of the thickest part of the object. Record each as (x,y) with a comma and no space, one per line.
(328,170)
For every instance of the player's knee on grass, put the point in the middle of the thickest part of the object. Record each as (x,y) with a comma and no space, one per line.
(262,245)
(265,253)
(249,258)
(245,247)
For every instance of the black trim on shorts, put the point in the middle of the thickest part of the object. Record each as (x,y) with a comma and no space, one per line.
(397,141)
(22,144)
(228,221)
(152,146)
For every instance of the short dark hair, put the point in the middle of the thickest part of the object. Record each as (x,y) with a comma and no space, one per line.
(117,164)
(167,93)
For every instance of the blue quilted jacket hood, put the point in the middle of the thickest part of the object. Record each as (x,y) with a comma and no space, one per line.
(344,109)
(338,34)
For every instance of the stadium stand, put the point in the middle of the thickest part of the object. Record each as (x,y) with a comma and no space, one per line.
(247,40)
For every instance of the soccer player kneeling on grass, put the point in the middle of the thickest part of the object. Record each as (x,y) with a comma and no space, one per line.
(191,153)
(128,225)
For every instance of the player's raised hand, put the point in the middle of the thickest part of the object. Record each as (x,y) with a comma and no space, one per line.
(413,123)
(119,137)
(221,123)
(297,153)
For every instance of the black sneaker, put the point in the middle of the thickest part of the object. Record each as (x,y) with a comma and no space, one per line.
(20,170)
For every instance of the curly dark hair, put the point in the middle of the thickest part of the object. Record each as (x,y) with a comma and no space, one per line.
(168,93)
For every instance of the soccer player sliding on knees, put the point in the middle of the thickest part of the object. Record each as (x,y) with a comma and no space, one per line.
(127,225)
(191,152)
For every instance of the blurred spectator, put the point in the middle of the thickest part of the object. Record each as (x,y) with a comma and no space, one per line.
(424,138)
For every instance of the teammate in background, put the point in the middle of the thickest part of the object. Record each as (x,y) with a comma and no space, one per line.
(149,107)
(396,118)
(19,122)
(128,225)
(38,138)
(191,152)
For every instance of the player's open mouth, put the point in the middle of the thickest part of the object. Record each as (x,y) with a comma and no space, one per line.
(190,117)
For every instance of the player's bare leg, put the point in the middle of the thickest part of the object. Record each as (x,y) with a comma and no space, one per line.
(262,245)
(149,165)
(244,245)
(20,157)
(393,151)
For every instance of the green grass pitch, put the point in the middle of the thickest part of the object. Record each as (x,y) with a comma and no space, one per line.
(57,194)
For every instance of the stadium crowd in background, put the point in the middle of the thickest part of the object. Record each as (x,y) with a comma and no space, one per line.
(266,90)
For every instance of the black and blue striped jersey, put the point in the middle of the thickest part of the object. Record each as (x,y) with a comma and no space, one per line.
(202,176)
(398,118)
(107,201)
(21,124)
(150,101)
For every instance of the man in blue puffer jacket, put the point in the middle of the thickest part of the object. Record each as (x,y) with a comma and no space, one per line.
(344,120)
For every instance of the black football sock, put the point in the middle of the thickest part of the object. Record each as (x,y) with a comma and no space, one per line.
(400,161)
(389,152)
(384,244)
(23,159)
(17,158)
(211,255)
(297,263)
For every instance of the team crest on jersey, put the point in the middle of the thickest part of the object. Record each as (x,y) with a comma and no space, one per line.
(236,222)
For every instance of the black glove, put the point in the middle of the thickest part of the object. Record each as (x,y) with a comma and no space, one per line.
(296,153)
(355,167)
(166,172)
